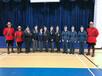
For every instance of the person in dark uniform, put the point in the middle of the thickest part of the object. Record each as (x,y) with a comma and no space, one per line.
(35,38)
(72,40)
(65,38)
(19,39)
(58,39)
(46,38)
(92,33)
(51,38)
(27,38)
(9,34)
(40,39)
(82,37)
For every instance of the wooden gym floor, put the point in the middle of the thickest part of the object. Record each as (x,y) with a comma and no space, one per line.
(50,60)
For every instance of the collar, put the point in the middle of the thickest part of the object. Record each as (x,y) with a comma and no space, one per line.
(72,31)
(57,30)
(51,30)
(82,31)
(45,31)
(65,30)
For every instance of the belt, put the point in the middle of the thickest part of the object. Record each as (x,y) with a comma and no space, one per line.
(19,37)
(9,34)
(91,35)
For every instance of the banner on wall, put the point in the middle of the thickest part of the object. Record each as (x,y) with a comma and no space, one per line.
(39,1)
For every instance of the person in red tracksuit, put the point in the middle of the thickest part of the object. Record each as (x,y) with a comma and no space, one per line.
(19,40)
(92,33)
(9,34)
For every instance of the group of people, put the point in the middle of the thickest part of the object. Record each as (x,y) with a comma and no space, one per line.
(45,36)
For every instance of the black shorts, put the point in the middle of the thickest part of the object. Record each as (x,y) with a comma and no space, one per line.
(19,43)
(91,44)
(9,42)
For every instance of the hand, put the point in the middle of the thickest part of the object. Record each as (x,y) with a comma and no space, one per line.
(39,41)
(84,41)
(32,39)
(62,40)
(67,40)
(47,41)
(78,41)
(75,41)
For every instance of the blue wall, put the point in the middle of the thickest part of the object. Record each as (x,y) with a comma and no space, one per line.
(3,44)
(66,12)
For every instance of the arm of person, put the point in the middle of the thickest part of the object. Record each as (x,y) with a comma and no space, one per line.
(15,35)
(75,37)
(97,33)
(4,32)
(62,35)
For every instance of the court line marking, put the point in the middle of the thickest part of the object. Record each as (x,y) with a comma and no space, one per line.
(85,65)
(2,53)
(97,66)
(3,56)
(46,56)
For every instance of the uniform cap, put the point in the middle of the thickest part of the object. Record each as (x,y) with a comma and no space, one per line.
(72,26)
(9,23)
(35,25)
(82,27)
(51,26)
(57,26)
(91,23)
(65,26)
(19,27)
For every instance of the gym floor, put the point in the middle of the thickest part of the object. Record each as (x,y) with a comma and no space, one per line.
(50,64)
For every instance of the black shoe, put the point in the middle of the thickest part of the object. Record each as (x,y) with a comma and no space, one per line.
(70,53)
(21,51)
(93,55)
(13,52)
(52,51)
(46,50)
(41,51)
(18,52)
(82,53)
(66,53)
(8,53)
(26,52)
(79,53)
(63,52)
(88,53)
(58,51)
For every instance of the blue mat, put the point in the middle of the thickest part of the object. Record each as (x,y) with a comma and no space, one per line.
(3,44)
(48,72)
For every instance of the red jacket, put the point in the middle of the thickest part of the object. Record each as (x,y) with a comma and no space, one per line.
(9,33)
(92,35)
(18,36)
